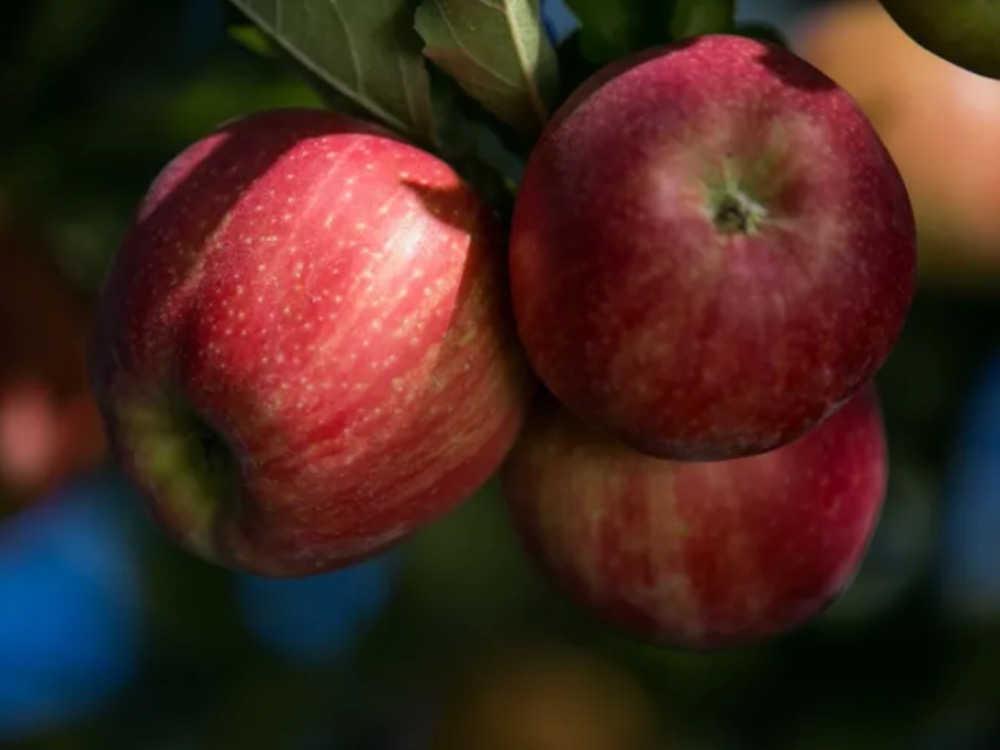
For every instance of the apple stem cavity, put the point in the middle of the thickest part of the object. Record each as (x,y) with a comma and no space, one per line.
(733,212)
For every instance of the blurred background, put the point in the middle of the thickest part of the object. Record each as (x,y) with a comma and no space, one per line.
(111,638)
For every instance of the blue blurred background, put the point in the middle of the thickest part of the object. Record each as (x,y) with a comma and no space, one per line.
(70,606)
(312,621)
(112,638)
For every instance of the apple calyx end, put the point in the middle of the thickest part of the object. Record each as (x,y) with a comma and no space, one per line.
(186,466)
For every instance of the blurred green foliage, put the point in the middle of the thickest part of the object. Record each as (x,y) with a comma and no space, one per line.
(99,95)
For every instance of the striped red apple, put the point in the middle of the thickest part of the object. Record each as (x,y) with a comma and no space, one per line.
(711,250)
(304,350)
(699,555)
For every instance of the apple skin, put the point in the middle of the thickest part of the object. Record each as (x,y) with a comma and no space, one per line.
(304,346)
(964,32)
(699,555)
(652,314)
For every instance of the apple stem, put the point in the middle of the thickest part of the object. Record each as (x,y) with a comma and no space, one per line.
(735,213)
(731,218)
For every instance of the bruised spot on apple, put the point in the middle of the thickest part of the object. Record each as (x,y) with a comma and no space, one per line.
(711,250)
(304,346)
(699,555)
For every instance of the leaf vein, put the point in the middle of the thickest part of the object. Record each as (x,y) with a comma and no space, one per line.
(469,53)
(522,55)
(302,44)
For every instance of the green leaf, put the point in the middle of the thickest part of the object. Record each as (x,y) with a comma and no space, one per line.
(609,29)
(253,39)
(612,29)
(696,17)
(498,52)
(365,49)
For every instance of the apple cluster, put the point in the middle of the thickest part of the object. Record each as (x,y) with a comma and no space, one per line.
(316,339)
(711,255)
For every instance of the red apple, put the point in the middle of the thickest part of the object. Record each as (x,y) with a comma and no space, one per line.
(711,252)
(304,349)
(700,555)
